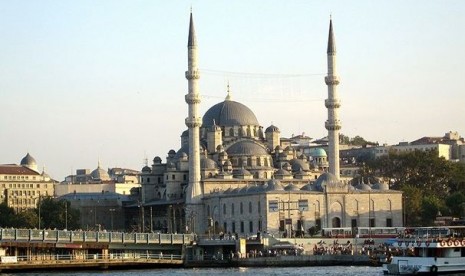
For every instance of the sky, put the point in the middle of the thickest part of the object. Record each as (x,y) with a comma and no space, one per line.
(83,81)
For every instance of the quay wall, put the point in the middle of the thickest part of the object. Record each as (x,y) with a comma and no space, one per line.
(284,261)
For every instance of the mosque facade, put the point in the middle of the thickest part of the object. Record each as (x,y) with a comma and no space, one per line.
(232,175)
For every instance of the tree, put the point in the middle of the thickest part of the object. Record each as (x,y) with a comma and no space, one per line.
(58,214)
(455,204)
(7,216)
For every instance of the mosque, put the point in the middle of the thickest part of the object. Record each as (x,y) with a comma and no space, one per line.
(232,175)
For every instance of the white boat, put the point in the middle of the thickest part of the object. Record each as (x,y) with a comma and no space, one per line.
(428,254)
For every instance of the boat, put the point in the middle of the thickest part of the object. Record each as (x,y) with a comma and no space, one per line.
(428,250)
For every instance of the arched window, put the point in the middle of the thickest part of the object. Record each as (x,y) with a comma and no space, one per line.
(259,207)
(224,209)
(232,209)
(250,207)
(208,210)
(241,132)
(241,208)
(249,133)
(231,132)
(255,132)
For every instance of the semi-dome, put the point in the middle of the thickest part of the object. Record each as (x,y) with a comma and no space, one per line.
(28,161)
(246,147)
(229,113)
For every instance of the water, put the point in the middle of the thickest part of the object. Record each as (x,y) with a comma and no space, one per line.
(255,271)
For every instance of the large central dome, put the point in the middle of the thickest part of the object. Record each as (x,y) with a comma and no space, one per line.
(229,113)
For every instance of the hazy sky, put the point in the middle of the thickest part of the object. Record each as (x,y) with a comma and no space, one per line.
(87,80)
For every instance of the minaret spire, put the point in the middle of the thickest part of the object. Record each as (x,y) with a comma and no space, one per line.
(193,122)
(333,124)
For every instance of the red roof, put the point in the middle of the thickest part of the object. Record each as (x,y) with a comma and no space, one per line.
(16,169)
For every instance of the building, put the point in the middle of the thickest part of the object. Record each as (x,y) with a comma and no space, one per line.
(114,180)
(22,186)
(231,174)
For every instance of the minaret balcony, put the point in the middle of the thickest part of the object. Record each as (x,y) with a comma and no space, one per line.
(193,122)
(193,75)
(333,125)
(332,103)
(332,80)
(192,98)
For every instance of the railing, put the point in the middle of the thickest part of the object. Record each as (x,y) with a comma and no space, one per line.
(116,257)
(92,236)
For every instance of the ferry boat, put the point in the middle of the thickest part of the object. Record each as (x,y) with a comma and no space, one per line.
(428,251)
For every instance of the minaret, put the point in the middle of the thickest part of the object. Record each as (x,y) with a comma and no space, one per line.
(333,125)
(193,122)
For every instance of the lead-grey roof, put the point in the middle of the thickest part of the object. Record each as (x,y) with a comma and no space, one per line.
(246,147)
(229,113)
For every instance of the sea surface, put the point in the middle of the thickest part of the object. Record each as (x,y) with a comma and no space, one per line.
(256,271)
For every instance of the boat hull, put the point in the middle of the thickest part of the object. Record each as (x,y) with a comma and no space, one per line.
(422,265)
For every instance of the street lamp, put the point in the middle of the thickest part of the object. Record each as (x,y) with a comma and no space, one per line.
(66,214)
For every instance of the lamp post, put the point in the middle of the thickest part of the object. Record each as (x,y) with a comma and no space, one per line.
(66,214)
(40,203)
(111,217)
(151,219)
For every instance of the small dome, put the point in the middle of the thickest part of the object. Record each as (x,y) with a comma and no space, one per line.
(99,174)
(272,128)
(308,187)
(207,163)
(241,171)
(291,187)
(28,161)
(363,187)
(274,185)
(318,152)
(325,179)
(146,169)
(380,186)
(282,172)
(157,160)
(185,133)
(171,152)
(299,165)
(278,148)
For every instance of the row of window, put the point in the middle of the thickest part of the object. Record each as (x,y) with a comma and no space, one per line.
(22,193)
(232,209)
(242,229)
(22,185)
(19,177)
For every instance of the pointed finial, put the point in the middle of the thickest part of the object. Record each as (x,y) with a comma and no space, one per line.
(228,97)
(192,41)
(331,40)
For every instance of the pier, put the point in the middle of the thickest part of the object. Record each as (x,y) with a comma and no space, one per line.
(35,249)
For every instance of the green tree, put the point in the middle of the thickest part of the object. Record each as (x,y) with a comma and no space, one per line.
(431,205)
(58,214)
(7,216)
(455,204)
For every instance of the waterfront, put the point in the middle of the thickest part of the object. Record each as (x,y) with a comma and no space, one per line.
(315,270)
